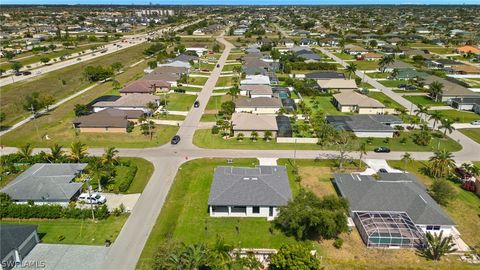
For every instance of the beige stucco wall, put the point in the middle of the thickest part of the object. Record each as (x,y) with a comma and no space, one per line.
(104,130)
(248,133)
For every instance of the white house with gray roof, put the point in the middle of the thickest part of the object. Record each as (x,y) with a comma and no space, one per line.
(394,210)
(249,192)
(45,183)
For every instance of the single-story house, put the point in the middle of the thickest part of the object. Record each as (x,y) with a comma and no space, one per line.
(248,192)
(366,125)
(177,63)
(287,42)
(351,101)
(467,49)
(337,85)
(397,64)
(260,105)
(256,90)
(451,90)
(409,73)
(108,120)
(310,57)
(393,210)
(307,42)
(16,241)
(145,87)
(466,104)
(255,79)
(246,123)
(239,31)
(371,56)
(198,50)
(46,183)
(463,69)
(355,50)
(129,102)
(324,75)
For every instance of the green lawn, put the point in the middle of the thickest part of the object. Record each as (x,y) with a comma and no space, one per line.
(76,231)
(226,81)
(180,102)
(60,83)
(473,133)
(423,100)
(205,139)
(170,117)
(144,172)
(188,88)
(422,45)
(203,66)
(387,101)
(441,50)
(323,104)
(208,117)
(215,102)
(197,80)
(367,65)
(392,83)
(230,67)
(344,56)
(379,75)
(184,216)
(235,56)
(460,116)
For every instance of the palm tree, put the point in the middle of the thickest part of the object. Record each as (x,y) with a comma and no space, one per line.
(78,151)
(395,72)
(240,136)
(26,151)
(362,148)
(341,43)
(435,116)
(351,69)
(194,256)
(436,90)
(447,125)
(406,158)
(421,111)
(385,61)
(56,153)
(109,158)
(233,92)
(437,246)
(267,135)
(222,251)
(441,163)
(254,135)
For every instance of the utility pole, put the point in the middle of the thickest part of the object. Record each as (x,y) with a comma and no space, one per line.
(90,198)
(34,117)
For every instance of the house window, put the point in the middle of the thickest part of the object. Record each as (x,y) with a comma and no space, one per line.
(256,210)
(429,227)
(270,211)
(436,228)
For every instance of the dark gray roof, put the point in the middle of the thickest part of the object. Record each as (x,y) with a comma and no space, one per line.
(324,75)
(46,182)
(310,56)
(12,236)
(243,186)
(364,122)
(393,192)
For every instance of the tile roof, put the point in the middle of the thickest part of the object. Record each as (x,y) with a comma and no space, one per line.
(258,122)
(258,102)
(348,98)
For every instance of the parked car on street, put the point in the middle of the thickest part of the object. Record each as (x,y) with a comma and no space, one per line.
(94,198)
(196,104)
(381,150)
(175,139)
(475,123)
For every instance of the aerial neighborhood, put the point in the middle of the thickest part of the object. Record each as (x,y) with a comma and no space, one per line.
(169,136)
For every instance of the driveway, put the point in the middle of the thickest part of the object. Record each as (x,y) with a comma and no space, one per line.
(60,257)
(376,164)
(115,200)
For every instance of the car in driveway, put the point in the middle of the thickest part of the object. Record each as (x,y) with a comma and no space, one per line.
(25,73)
(93,198)
(475,123)
(383,170)
(196,104)
(381,149)
(175,139)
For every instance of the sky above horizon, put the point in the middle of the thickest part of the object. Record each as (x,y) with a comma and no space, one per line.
(243,2)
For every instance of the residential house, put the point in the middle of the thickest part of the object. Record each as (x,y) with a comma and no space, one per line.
(466,104)
(366,125)
(16,241)
(467,49)
(260,105)
(307,42)
(409,73)
(463,70)
(355,50)
(351,101)
(371,56)
(239,31)
(332,85)
(46,183)
(397,64)
(392,210)
(451,90)
(249,192)
(131,102)
(145,87)
(108,120)
(255,79)
(246,123)
(309,57)
(256,90)
(287,42)
(324,75)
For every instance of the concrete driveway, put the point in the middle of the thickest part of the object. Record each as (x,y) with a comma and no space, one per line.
(115,200)
(376,164)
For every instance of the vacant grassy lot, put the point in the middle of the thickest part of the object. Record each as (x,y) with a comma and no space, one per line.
(180,102)
(197,80)
(215,102)
(392,83)
(226,81)
(60,83)
(460,116)
(76,231)
(208,117)
(423,100)
(367,65)
(441,50)
(235,56)
(344,56)
(230,67)
(184,216)
(473,133)
(387,101)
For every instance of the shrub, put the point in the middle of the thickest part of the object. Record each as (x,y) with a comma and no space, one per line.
(443,192)
(127,181)
(338,243)
(215,130)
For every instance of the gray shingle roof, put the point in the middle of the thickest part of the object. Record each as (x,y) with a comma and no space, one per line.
(364,122)
(46,182)
(243,186)
(393,192)
(13,235)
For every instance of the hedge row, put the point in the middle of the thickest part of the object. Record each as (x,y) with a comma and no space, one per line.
(127,181)
(26,211)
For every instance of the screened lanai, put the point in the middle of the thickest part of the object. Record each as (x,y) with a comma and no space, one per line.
(388,230)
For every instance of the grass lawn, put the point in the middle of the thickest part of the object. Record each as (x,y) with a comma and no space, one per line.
(344,56)
(387,101)
(324,104)
(170,117)
(460,116)
(423,100)
(422,45)
(392,83)
(144,172)
(379,75)
(215,102)
(367,65)
(230,67)
(197,80)
(205,139)
(208,117)
(60,83)
(204,66)
(76,231)
(234,56)
(441,50)
(188,88)
(225,81)
(473,133)
(184,216)
(180,102)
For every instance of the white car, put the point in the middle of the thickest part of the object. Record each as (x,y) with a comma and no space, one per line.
(95,198)
(476,123)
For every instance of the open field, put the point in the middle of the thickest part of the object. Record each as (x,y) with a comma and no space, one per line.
(230,67)
(60,83)
(392,83)
(367,65)
(386,100)
(344,56)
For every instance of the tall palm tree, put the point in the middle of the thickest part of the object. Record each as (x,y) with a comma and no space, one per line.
(26,151)
(233,92)
(78,151)
(435,116)
(56,153)
(447,125)
(436,90)
(109,158)
(351,69)
(441,163)
(421,111)
(385,61)
(437,246)
(194,256)
(406,158)
(362,148)
(395,72)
